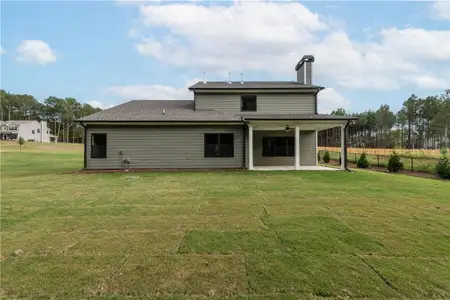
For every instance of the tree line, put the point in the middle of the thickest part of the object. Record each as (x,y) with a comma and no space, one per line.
(59,113)
(421,123)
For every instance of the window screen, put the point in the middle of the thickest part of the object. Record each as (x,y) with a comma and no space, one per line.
(98,145)
(219,145)
(248,103)
(278,146)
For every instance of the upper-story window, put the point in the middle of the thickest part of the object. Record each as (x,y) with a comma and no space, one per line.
(248,103)
(32,131)
(38,131)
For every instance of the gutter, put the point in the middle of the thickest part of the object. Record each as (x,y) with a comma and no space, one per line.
(319,88)
(155,121)
(299,119)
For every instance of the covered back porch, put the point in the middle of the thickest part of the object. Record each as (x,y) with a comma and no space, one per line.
(289,144)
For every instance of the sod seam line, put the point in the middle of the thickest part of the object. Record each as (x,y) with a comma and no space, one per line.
(113,274)
(436,258)
(266,211)
(180,225)
(73,244)
(263,223)
(121,265)
(249,287)
(89,202)
(355,230)
(181,243)
(384,279)
(282,242)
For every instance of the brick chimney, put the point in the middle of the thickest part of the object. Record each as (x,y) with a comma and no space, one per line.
(304,69)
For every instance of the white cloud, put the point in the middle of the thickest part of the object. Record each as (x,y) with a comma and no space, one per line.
(35,51)
(150,47)
(219,38)
(99,104)
(153,92)
(222,37)
(329,100)
(2,50)
(440,10)
(429,81)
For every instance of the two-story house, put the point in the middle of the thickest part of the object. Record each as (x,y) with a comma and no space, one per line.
(253,125)
(29,130)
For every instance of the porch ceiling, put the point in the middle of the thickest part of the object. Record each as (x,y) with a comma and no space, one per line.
(303,124)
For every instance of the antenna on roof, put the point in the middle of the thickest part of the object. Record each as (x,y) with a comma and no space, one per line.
(204,77)
(229,77)
(164,111)
(242,78)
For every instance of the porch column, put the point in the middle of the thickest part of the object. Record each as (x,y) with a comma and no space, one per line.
(343,158)
(250,147)
(317,150)
(297,147)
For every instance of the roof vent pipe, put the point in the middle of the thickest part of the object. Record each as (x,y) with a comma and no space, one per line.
(229,77)
(163,111)
(242,78)
(204,77)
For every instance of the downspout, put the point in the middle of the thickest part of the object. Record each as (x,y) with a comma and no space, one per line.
(244,127)
(195,103)
(243,143)
(316,109)
(345,147)
(85,146)
(315,103)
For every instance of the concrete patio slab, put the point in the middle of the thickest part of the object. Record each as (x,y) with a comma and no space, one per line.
(292,168)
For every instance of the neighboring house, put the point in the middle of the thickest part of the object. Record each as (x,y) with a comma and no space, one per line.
(36,131)
(227,125)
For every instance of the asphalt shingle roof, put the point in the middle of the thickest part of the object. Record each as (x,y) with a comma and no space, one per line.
(183,111)
(252,85)
(160,110)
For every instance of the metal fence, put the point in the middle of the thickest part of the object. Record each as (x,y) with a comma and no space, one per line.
(414,164)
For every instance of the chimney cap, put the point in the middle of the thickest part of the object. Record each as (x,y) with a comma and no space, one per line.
(305,58)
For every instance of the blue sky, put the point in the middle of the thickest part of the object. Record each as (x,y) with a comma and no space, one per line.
(104,53)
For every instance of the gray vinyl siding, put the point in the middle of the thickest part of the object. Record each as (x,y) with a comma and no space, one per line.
(266,103)
(176,147)
(308,148)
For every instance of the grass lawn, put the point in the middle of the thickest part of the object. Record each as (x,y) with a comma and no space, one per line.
(220,235)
